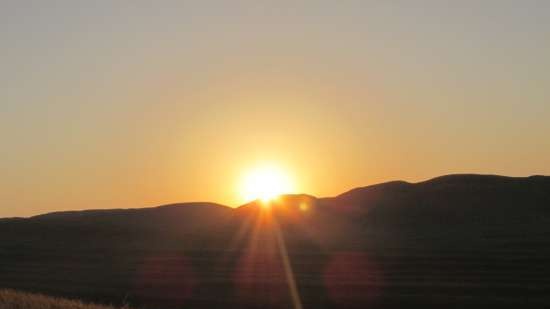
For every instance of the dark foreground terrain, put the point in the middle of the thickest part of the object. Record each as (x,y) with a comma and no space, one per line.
(10,299)
(466,241)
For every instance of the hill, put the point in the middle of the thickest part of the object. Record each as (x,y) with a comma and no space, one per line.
(456,240)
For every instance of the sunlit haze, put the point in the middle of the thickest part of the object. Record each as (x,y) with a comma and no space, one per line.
(128,104)
(265,183)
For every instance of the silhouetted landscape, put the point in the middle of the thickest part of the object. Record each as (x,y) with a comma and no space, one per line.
(274,154)
(469,241)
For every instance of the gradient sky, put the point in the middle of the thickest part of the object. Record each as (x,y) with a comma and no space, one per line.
(117,104)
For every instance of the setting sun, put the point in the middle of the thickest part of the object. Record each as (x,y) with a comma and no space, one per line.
(266,183)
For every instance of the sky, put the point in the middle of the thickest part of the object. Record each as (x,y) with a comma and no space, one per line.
(126,104)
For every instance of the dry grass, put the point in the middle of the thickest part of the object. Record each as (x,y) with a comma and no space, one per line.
(10,299)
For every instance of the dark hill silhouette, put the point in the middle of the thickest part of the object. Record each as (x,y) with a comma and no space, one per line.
(175,217)
(454,210)
(456,240)
(171,209)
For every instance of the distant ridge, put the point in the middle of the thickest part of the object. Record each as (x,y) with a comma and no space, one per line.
(123,211)
(357,195)
(445,179)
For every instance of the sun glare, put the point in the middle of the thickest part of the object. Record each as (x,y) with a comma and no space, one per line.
(266,183)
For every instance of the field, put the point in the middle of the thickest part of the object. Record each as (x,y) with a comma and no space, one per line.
(211,279)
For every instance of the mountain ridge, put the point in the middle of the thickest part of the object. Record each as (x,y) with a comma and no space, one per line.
(378,188)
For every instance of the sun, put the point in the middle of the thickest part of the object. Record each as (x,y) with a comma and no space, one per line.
(266,183)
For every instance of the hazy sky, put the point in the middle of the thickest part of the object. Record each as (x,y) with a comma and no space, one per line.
(108,104)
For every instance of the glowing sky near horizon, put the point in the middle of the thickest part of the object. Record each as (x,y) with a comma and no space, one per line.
(108,104)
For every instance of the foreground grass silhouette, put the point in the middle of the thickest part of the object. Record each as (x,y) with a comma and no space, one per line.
(10,299)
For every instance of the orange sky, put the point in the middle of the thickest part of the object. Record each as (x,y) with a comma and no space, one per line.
(127,105)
